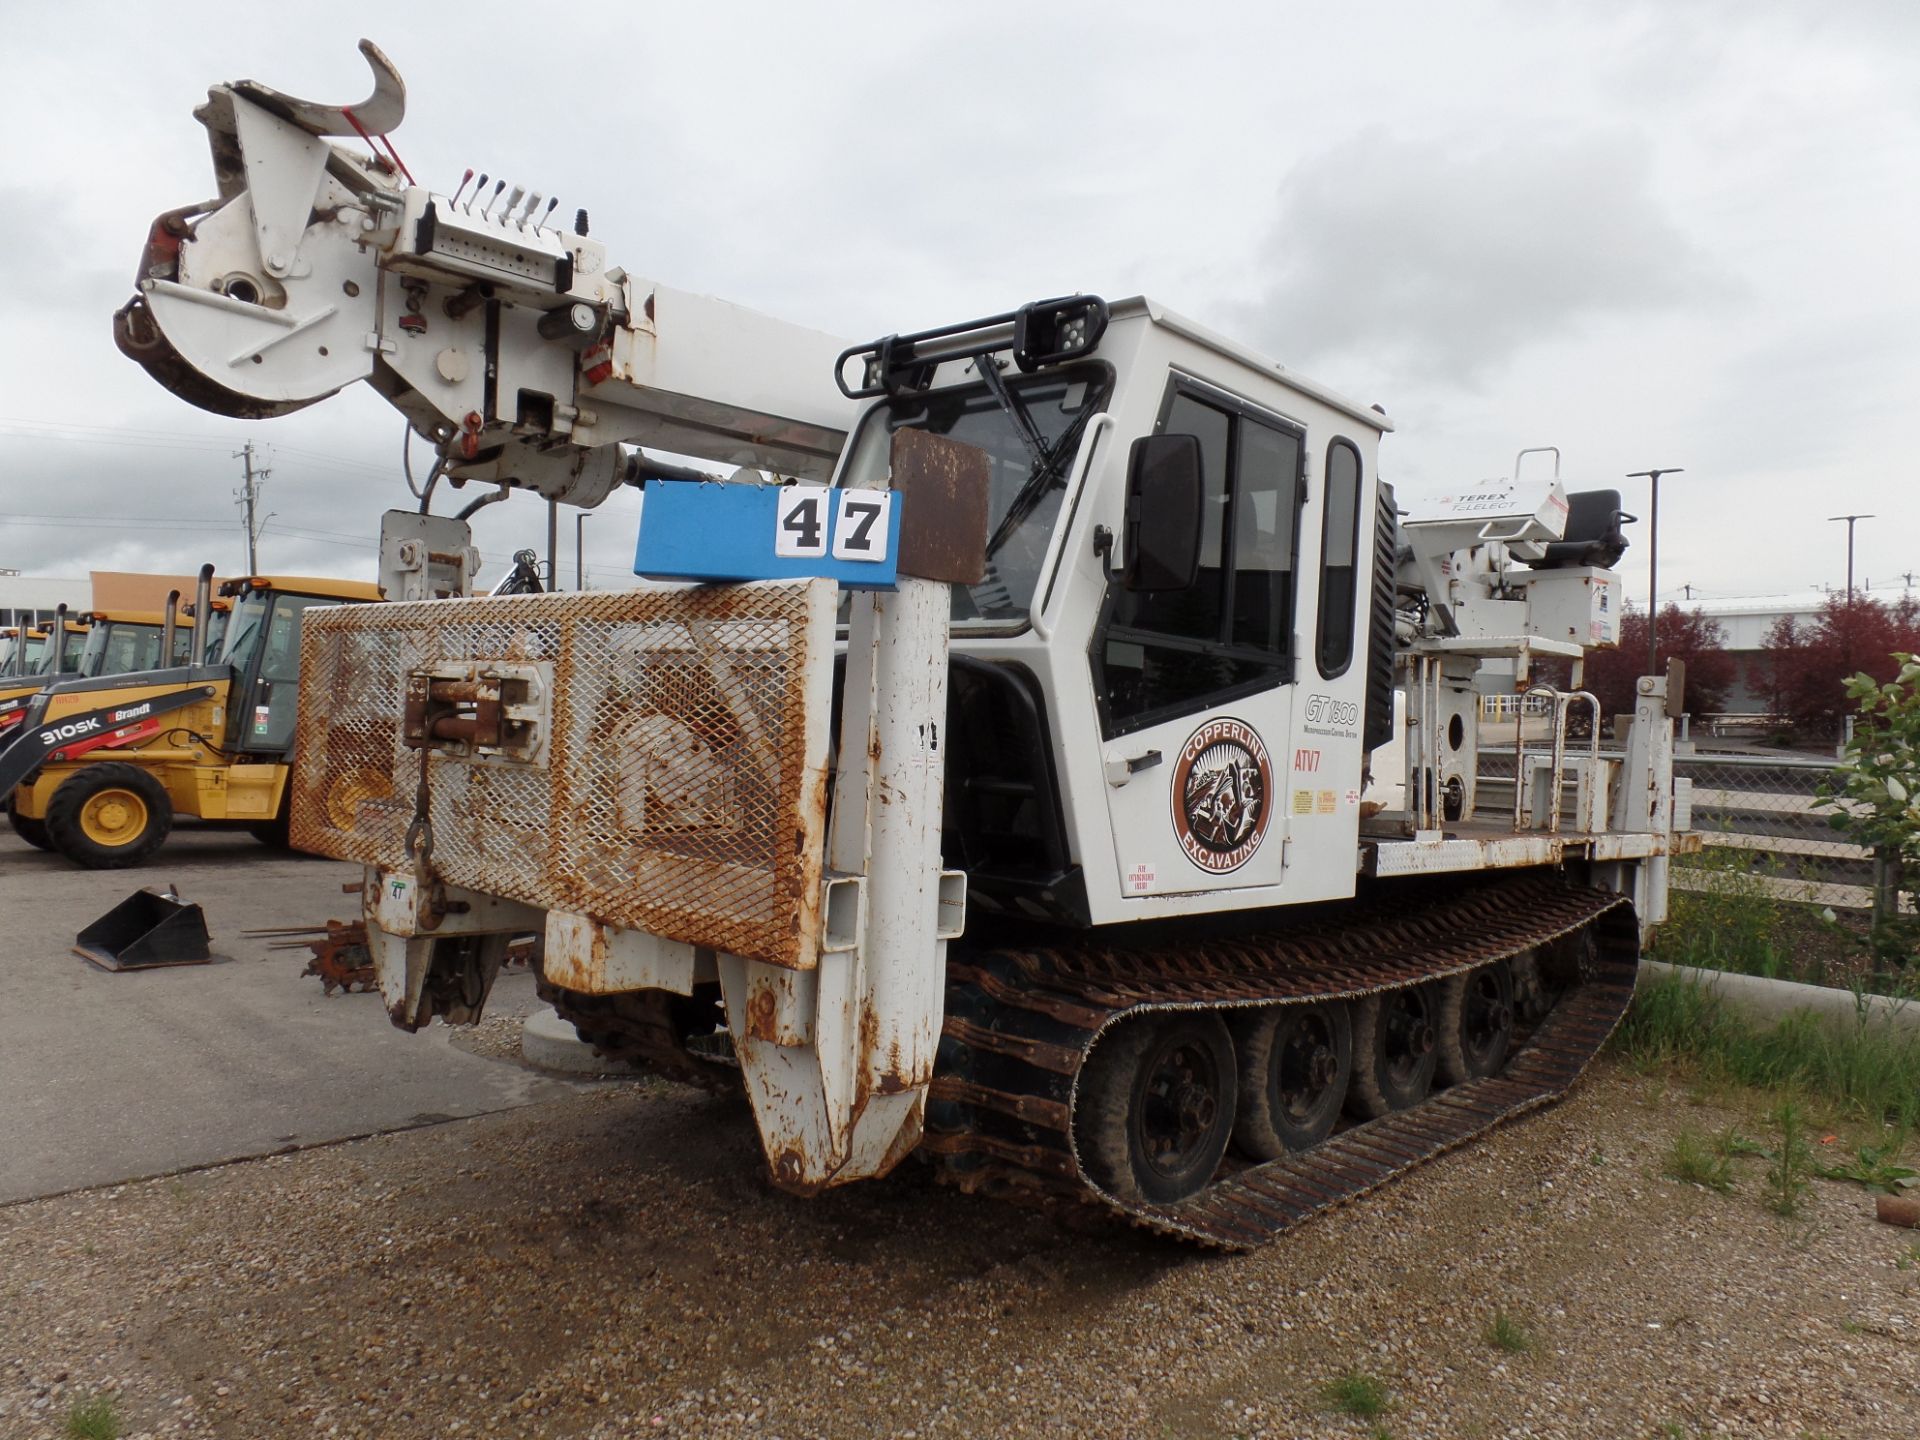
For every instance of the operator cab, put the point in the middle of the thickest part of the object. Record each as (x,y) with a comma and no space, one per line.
(122,642)
(261,647)
(212,635)
(1160,681)
(43,654)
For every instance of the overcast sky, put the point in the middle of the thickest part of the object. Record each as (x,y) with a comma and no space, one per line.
(1677,233)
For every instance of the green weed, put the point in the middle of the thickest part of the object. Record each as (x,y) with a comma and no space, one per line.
(1787,1183)
(1696,1160)
(1356,1394)
(93,1418)
(1874,1166)
(1508,1334)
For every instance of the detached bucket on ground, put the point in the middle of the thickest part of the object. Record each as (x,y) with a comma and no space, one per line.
(145,930)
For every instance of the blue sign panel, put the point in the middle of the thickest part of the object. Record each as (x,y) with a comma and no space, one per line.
(695,530)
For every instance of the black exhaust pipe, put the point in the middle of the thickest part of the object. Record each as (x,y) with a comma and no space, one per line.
(59,640)
(167,630)
(203,601)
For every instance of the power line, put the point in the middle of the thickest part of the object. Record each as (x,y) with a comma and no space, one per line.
(138,438)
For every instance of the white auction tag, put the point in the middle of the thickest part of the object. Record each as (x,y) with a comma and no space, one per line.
(800,521)
(860,525)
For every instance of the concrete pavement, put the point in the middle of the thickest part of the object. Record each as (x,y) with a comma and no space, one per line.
(110,1076)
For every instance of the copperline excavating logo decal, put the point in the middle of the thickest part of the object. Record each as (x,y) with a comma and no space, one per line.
(1222,795)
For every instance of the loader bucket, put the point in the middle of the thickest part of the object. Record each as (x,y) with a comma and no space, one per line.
(146,929)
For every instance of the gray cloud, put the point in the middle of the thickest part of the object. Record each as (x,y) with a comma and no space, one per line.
(1442,261)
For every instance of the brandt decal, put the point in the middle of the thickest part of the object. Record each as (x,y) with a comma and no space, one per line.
(1222,795)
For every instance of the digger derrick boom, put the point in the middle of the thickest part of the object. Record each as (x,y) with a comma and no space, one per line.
(512,344)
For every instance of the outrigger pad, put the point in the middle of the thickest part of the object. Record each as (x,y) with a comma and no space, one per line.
(144,930)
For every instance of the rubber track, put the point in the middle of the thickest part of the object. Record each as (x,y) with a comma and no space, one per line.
(1021,1023)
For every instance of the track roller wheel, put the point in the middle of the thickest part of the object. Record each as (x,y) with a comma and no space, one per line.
(1156,1106)
(109,815)
(1531,1002)
(34,832)
(1295,1064)
(1395,1048)
(1476,1024)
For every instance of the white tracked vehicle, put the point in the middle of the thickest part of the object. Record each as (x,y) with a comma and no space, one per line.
(1084,791)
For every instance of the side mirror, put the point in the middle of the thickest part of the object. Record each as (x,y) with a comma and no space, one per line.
(1164,498)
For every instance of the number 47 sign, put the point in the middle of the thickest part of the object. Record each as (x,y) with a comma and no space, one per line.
(859,528)
(705,531)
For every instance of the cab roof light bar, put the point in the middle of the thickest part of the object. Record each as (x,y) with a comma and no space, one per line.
(1047,332)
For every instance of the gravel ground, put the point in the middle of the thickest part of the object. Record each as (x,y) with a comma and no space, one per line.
(613,1264)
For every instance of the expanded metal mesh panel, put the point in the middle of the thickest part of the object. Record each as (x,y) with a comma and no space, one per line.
(677,782)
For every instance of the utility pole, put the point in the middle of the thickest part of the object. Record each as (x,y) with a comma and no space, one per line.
(553,544)
(1653,561)
(579,554)
(1851,520)
(250,498)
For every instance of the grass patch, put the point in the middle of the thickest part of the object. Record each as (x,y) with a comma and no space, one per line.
(1727,918)
(1749,913)
(1356,1394)
(93,1418)
(1868,1069)
(1506,1333)
(1694,1159)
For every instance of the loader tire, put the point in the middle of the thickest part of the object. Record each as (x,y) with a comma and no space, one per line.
(109,816)
(34,832)
(277,832)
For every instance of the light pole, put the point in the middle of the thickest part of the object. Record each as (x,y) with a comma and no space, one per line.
(1653,560)
(579,555)
(1850,519)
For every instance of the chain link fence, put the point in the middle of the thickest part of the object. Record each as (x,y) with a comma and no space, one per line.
(1763,825)
(1761,817)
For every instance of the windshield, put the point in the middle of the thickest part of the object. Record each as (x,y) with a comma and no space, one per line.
(1020,518)
(118,647)
(244,626)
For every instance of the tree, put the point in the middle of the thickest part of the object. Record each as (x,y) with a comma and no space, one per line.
(1879,784)
(1805,670)
(1684,635)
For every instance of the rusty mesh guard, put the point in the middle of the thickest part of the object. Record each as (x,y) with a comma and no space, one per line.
(682,787)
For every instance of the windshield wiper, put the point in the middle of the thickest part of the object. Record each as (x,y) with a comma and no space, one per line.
(1046,459)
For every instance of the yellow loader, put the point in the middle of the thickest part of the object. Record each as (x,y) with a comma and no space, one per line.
(102,764)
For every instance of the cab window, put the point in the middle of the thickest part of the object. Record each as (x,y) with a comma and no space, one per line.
(1339,547)
(1157,656)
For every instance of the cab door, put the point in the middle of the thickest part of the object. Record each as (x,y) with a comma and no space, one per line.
(271,691)
(1194,684)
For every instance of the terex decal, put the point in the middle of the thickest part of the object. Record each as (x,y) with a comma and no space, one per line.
(1222,795)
